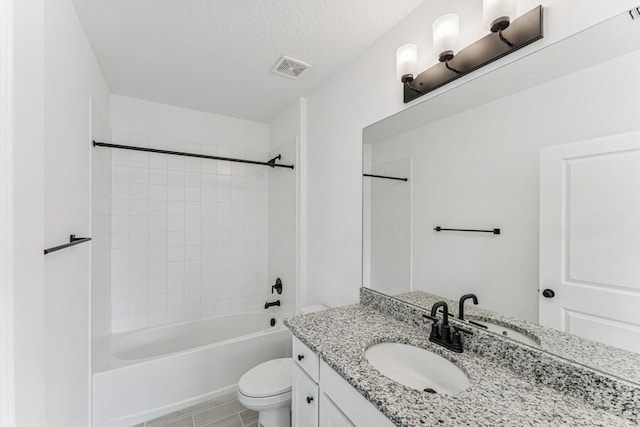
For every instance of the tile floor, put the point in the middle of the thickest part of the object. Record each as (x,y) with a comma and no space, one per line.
(223,411)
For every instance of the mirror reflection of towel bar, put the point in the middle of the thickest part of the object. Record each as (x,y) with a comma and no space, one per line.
(385,177)
(494,231)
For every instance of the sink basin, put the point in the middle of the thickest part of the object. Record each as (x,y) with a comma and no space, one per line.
(508,332)
(417,368)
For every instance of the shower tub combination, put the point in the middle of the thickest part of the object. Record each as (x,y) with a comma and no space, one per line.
(155,371)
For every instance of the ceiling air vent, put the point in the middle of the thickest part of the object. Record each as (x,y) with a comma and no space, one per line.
(290,68)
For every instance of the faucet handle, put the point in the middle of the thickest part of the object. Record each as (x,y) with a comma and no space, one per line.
(433,319)
(461,329)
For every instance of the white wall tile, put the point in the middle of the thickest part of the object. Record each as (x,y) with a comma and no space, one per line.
(188,235)
(159,176)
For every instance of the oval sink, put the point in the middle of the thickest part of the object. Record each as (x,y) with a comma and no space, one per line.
(508,332)
(417,368)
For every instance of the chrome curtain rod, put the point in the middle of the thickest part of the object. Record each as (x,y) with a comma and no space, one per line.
(385,177)
(271,163)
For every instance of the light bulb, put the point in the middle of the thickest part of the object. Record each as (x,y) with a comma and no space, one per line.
(446,37)
(498,14)
(407,62)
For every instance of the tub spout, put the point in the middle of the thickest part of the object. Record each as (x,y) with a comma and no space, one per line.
(271,304)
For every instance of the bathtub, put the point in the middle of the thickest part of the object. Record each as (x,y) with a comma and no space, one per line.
(154,371)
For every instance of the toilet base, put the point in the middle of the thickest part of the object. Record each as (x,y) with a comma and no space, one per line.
(276,417)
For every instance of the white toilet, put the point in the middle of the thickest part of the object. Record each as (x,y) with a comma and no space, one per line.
(266,388)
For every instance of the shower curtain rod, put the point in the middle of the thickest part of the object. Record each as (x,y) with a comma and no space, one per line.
(271,163)
(385,177)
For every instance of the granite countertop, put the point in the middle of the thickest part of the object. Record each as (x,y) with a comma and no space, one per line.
(497,395)
(614,361)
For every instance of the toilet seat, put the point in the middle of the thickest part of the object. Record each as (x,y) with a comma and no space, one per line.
(270,379)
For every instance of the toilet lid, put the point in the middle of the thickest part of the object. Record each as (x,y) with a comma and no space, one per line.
(267,379)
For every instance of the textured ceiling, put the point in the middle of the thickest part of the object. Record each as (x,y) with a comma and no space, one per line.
(215,55)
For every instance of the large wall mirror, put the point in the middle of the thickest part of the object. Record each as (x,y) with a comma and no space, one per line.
(547,150)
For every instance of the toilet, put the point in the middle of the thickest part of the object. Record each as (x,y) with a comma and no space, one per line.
(266,388)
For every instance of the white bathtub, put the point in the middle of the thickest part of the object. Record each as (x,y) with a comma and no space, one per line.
(155,371)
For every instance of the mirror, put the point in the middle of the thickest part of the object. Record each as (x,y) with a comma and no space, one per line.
(540,149)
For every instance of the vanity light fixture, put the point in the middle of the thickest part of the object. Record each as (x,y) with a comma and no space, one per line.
(446,37)
(407,62)
(498,17)
(497,14)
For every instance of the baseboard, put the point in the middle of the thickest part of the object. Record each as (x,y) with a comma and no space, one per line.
(131,420)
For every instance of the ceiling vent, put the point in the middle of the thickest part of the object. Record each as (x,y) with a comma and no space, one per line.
(290,68)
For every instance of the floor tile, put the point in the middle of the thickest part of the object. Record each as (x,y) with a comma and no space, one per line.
(222,399)
(217,413)
(233,421)
(185,422)
(182,413)
(169,418)
(248,417)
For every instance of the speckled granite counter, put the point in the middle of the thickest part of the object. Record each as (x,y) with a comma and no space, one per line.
(620,363)
(497,396)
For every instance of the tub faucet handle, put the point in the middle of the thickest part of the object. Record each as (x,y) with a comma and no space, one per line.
(277,286)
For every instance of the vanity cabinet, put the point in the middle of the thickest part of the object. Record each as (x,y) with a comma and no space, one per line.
(331,415)
(304,389)
(304,399)
(322,398)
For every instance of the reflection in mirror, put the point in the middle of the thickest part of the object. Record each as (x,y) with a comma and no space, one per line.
(387,211)
(546,149)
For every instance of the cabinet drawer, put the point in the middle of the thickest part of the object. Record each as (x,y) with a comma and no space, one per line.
(306,359)
(304,400)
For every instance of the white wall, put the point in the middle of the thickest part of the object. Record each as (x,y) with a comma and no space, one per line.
(367,91)
(100,232)
(135,116)
(287,135)
(189,236)
(27,190)
(287,124)
(72,77)
(7,408)
(282,240)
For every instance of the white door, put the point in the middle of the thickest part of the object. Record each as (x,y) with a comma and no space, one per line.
(331,415)
(590,239)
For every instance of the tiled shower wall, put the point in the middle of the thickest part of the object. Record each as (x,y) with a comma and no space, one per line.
(189,235)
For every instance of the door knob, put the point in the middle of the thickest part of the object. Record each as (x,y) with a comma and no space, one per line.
(548,293)
(309,399)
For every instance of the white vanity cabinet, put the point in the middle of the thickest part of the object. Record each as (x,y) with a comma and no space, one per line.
(304,389)
(304,399)
(322,398)
(331,415)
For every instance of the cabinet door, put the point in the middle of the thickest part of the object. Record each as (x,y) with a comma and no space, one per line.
(331,415)
(304,400)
